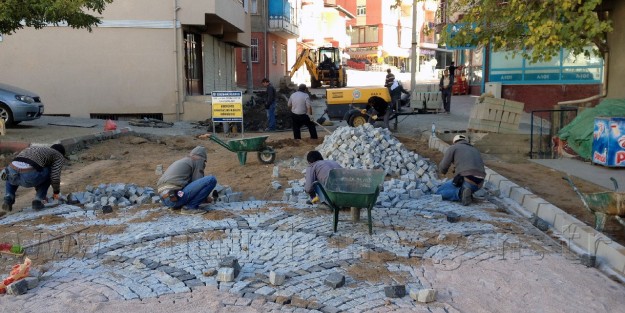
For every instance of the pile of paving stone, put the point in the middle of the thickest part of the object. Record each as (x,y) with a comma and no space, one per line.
(124,195)
(367,147)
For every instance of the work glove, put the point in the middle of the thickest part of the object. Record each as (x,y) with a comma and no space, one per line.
(363,111)
(375,117)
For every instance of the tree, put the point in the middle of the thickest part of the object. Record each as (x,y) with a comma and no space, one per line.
(537,29)
(17,14)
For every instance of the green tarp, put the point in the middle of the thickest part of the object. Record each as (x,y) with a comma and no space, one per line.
(578,134)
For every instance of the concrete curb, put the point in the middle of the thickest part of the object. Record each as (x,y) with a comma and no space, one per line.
(574,232)
(77,143)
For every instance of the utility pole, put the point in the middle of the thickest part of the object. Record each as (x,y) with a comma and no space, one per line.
(414,52)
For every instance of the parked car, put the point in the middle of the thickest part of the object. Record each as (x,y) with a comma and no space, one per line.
(18,105)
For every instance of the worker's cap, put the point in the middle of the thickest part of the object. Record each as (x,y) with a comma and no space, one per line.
(199,151)
(301,87)
(459,137)
(60,148)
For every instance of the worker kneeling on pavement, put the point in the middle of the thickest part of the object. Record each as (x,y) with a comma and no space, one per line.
(468,169)
(377,107)
(184,187)
(35,166)
(318,170)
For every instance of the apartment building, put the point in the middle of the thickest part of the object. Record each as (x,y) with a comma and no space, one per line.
(148,58)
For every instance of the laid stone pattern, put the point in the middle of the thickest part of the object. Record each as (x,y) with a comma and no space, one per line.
(171,253)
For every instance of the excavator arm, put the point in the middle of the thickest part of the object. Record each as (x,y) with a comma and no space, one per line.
(305,58)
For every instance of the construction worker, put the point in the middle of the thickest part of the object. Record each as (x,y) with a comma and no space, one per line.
(390,78)
(468,168)
(184,187)
(318,170)
(445,86)
(270,105)
(396,90)
(376,107)
(301,112)
(35,166)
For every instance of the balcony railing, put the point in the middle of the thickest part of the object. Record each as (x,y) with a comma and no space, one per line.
(283,19)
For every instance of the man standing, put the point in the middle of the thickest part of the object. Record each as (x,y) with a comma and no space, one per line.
(469,171)
(183,186)
(301,112)
(38,167)
(396,90)
(452,71)
(376,107)
(445,88)
(318,170)
(390,78)
(270,105)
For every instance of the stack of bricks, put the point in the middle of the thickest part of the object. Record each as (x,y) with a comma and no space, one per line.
(495,116)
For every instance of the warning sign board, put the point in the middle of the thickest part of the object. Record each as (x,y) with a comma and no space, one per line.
(227,106)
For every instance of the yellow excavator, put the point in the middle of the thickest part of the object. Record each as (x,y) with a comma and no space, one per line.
(324,66)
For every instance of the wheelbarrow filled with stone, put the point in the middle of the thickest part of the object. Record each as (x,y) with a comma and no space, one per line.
(603,204)
(242,146)
(351,188)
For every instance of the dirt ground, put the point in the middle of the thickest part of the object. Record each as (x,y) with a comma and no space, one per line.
(133,159)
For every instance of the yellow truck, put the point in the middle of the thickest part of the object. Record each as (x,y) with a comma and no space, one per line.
(324,66)
(346,104)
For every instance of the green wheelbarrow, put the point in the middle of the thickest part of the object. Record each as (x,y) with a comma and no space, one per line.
(241,147)
(603,204)
(351,188)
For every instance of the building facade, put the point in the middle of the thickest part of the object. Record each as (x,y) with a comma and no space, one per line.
(381,34)
(274,29)
(148,58)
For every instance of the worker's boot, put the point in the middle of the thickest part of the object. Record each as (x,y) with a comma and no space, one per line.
(37,205)
(7,205)
(466,196)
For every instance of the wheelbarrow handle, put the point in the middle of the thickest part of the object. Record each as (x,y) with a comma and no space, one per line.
(579,193)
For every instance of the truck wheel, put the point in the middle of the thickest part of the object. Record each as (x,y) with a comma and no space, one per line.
(357,119)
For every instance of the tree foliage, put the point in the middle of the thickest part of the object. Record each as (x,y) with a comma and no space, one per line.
(537,29)
(17,14)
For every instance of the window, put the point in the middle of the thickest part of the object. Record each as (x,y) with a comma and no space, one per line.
(283,54)
(367,34)
(562,68)
(254,47)
(274,53)
(193,63)
(253,6)
(361,10)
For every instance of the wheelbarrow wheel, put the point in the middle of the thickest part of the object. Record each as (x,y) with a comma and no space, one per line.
(267,156)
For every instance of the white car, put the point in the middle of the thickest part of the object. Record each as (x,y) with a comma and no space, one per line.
(18,105)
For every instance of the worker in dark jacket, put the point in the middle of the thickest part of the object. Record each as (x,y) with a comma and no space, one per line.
(376,107)
(270,105)
(184,187)
(318,170)
(468,168)
(35,166)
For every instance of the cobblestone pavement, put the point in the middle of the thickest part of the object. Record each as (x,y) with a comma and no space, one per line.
(141,253)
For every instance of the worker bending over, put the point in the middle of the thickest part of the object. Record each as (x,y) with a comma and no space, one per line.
(184,187)
(376,107)
(35,166)
(468,168)
(318,170)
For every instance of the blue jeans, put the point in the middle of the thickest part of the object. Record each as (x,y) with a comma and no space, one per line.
(451,192)
(271,116)
(319,194)
(195,193)
(39,180)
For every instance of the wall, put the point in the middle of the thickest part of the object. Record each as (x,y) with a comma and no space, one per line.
(111,70)
(616,40)
(544,97)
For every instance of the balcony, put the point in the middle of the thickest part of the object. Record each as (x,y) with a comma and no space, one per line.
(283,19)
(222,18)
